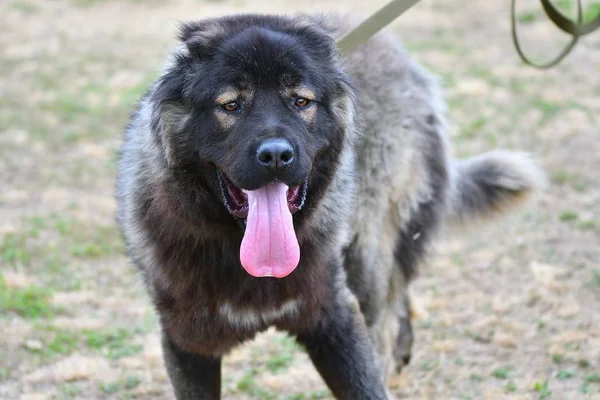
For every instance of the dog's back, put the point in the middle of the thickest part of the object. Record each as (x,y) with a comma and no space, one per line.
(408,185)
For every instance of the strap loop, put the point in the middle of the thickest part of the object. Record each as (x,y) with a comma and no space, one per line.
(576,30)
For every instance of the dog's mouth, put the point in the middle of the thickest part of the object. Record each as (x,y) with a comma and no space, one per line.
(236,199)
(269,247)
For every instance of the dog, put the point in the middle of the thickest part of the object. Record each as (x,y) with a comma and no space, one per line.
(265,180)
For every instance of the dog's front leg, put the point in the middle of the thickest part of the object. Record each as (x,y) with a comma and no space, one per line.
(341,351)
(194,377)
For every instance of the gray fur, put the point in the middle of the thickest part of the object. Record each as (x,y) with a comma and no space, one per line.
(394,186)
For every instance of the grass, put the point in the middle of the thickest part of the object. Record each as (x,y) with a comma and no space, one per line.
(501,373)
(596,277)
(548,108)
(13,249)
(583,363)
(542,388)
(25,7)
(431,365)
(594,378)
(565,374)
(108,387)
(588,381)
(248,384)
(131,382)
(72,390)
(319,394)
(63,250)
(63,342)
(510,387)
(527,17)
(114,344)
(472,129)
(50,246)
(556,358)
(568,216)
(274,361)
(280,361)
(31,302)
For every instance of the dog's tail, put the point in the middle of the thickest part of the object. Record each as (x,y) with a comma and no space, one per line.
(491,184)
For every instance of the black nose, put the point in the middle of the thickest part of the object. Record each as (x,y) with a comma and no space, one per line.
(275,153)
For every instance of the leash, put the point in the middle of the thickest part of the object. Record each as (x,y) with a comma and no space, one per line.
(576,30)
(381,18)
(376,22)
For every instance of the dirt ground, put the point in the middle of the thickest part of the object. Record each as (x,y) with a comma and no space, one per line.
(507,311)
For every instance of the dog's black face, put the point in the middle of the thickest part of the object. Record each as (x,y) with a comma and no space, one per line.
(262,107)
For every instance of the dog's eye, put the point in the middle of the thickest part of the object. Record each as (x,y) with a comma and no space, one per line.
(301,102)
(233,106)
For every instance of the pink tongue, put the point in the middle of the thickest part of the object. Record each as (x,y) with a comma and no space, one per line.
(269,246)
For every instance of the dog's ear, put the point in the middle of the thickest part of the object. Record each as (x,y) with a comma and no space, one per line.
(170,115)
(200,36)
(173,120)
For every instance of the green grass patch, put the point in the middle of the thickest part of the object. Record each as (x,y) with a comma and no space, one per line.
(557,358)
(30,302)
(548,108)
(114,344)
(25,7)
(63,342)
(472,129)
(319,394)
(527,17)
(594,378)
(542,388)
(280,361)
(108,387)
(13,249)
(583,363)
(510,387)
(501,373)
(72,390)
(559,177)
(587,225)
(431,365)
(564,374)
(70,238)
(595,281)
(249,385)
(568,216)
(131,382)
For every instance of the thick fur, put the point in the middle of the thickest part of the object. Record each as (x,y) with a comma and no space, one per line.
(381,183)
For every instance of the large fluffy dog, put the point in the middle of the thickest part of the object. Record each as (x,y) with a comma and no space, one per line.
(264,181)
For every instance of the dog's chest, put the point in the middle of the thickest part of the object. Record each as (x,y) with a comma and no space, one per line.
(251,317)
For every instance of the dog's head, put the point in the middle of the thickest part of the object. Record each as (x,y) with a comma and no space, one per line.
(262,105)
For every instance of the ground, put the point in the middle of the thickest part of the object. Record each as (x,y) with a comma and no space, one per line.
(506,311)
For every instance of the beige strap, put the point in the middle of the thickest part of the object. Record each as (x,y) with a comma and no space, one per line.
(369,27)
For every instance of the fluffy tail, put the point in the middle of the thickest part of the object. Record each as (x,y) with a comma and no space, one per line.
(492,184)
